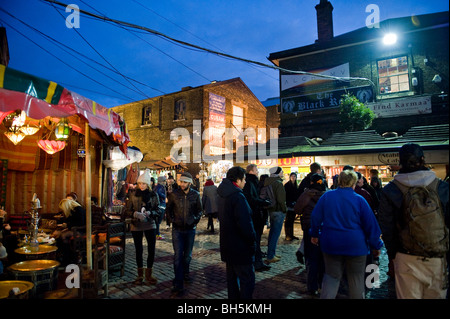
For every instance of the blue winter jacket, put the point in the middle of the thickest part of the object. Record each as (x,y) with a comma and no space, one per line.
(345,224)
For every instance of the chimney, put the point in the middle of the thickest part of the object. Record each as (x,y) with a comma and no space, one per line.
(324,21)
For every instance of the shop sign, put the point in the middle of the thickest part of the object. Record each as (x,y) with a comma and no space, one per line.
(292,161)
(402,107)
(296,80)
(324,100)
(389,158)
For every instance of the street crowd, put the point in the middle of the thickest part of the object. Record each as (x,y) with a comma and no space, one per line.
(344,226)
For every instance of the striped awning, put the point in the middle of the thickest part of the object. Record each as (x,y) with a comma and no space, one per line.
(40,98)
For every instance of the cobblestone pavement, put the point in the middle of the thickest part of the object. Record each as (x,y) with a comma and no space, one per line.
(285,280)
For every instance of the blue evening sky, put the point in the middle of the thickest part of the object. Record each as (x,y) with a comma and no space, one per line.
(132,66)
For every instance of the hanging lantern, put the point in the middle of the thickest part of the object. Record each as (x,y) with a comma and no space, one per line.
(51,147)
(29,130)
(15,137)
(62,130)
(81,151)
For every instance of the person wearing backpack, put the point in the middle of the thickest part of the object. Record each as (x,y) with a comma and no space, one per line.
(414,217)
(277,211)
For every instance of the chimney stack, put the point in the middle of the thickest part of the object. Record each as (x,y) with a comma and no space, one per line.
(324,21)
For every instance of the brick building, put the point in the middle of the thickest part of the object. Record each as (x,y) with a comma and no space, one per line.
(218,105)
(408,79)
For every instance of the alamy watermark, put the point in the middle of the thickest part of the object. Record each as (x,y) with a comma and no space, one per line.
(229,142)
(373,19)
(73,19)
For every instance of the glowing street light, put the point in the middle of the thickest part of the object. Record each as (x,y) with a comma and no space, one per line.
(390,38)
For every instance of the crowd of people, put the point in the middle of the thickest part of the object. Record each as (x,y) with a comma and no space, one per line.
(344,226)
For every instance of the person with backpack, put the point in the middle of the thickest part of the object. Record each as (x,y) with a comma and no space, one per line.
(273,187)
(414,219)
(313,255)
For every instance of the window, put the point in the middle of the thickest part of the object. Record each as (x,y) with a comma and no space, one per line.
(393,75)
(179,112)
(147,115)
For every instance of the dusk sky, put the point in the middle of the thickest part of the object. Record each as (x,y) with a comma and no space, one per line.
(133,65)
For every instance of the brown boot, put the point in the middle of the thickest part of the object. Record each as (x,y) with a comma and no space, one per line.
(140,277)
(149,278)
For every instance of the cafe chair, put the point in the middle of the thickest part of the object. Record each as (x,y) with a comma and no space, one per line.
(114,236)
(95,279)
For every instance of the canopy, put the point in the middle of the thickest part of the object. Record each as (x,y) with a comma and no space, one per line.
(40,98)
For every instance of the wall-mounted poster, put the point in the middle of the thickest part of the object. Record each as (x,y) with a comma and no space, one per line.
(216,124)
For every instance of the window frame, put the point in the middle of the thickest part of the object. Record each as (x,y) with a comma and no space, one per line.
(147,117)
(397,76)
(176,103)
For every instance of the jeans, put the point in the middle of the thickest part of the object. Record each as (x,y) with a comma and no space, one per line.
(314,264)
(240,281)
(183,242)
(355,267)
(276,224)
(158,224)
(150,236)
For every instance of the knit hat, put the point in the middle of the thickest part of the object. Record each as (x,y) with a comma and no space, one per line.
(317,182)
(275,170)
(161,179)
(186,177)
(410,152)
(145,178)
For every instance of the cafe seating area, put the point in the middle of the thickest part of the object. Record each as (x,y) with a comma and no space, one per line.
(37,271)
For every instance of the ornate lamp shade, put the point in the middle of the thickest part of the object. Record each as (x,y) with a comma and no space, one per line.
(62,130)
(50,146)
(15,137)
(29,130)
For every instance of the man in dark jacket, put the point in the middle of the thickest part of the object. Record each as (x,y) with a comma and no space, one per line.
(237,235)
(291,189)
(184,209)
(256,204)
(314,168)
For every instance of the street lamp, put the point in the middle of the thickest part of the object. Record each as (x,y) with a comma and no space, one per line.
(390,38)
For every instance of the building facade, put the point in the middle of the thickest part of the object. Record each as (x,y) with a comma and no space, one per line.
(407,81)
(404,82)
(204,112)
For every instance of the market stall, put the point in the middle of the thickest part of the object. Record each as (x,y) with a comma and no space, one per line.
(52,142)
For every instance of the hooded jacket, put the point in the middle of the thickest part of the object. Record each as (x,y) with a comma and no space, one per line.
(278,191)
(389,211)
(237,234)
(305,205)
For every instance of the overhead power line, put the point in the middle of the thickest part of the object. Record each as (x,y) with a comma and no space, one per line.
(221,54)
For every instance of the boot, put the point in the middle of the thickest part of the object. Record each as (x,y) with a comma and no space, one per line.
(140,277)
(149,278)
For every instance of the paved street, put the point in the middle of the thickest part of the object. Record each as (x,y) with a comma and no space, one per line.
(285,280)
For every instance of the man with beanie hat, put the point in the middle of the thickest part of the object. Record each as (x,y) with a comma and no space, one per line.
(419,273)
(184,210)
(277,213)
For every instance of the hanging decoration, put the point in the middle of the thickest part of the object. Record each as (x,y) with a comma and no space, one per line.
(14,122)
(29,130)
(51,146)
(81,151)
(62,130)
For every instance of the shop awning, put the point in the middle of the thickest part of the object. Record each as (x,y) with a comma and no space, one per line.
(40,98)
(165,164)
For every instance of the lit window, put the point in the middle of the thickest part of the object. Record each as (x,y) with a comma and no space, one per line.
(393,75)
(147,115)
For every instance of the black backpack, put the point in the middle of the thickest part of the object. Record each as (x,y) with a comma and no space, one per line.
(267,193)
